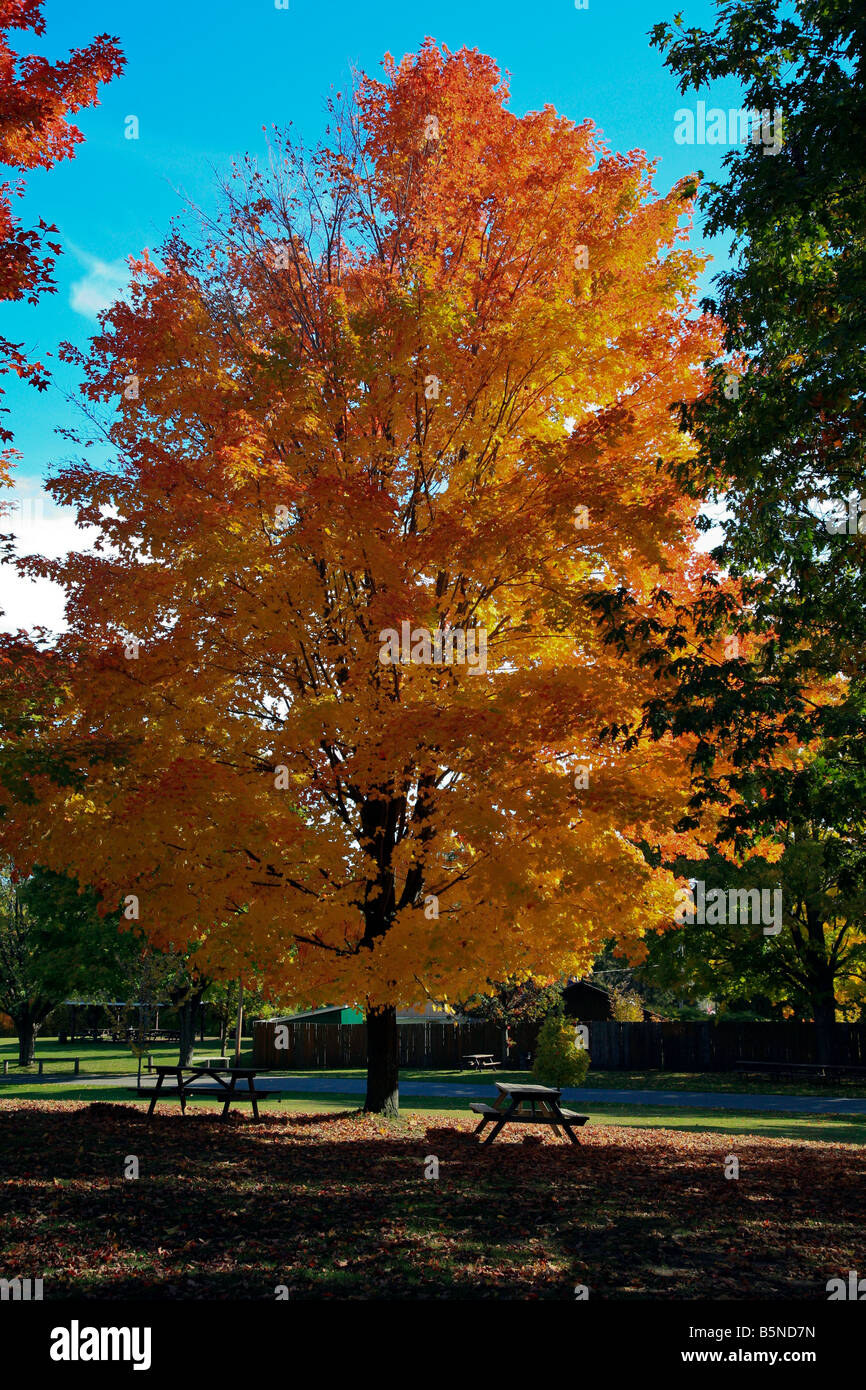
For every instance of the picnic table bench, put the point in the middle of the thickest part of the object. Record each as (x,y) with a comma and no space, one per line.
(56,1061)
(226,1079)
(479,1060)
(42,1062)
(817,1069)
(206,1063)
(509,1109)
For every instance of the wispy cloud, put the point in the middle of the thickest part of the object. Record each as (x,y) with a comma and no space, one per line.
(104,282)
(39,527)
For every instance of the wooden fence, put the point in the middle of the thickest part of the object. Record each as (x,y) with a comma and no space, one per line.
(716,1046)
(443,1045)
(613,1046)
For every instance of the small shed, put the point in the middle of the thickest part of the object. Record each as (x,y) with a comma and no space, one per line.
(586,1002)
(336,1013)
(343,1013)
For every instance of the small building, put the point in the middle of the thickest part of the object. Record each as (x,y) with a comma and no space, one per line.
(587,1003)
(334,1036)
(344,1014)
(331,1013)
(431,1013)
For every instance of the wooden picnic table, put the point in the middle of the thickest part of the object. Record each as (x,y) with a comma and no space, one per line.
(479,1060)
(825,1070)
(225,1077)
(509,1108)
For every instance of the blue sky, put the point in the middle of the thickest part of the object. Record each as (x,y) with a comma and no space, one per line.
(204,76)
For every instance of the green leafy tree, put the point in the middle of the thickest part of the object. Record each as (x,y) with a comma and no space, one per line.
(786,446)
(559,1061)
(509,1005)
(53,943)
(819,949)
(222,997)
(779,716)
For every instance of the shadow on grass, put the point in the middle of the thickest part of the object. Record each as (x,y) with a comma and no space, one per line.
(323,1117)
(338,1206)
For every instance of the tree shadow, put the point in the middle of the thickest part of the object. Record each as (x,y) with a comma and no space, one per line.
(233,1210)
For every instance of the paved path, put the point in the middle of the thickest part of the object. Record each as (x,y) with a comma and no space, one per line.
(682,1100)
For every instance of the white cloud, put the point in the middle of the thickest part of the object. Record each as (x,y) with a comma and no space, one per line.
(30,603)
(104,282)
(40,528)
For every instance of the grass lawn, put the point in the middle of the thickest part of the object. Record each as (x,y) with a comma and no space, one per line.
(103,1058)
(108,1059)
(99,1058)
(732,1082)
(336,1205)
(825,1128)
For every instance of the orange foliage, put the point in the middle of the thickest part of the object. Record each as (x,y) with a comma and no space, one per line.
(381,394)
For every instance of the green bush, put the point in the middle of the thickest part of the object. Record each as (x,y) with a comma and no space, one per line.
(558,1059)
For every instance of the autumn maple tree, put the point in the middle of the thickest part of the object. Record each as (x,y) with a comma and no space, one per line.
(37,97)
(421,377)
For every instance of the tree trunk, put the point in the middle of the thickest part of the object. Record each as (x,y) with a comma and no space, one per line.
(383,1062)
(187,1013)
(822,989)
(27,1030)
(239,1025)
(825,1028)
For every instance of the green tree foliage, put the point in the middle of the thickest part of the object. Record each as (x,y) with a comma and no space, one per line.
(558,1060)
(779,717)
(509,1005)
(792,301)
(53,943)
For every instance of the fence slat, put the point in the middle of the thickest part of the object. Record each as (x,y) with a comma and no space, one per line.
(698,1046)
(671,1046)
(337,1045)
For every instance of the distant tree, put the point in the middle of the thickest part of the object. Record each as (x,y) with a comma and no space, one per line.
(629,980)
(510,1005)
(818,954)
(626,1005)
(53,943)
(222,996)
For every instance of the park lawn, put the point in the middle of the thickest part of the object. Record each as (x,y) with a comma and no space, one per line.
(731,1082)
(833,1129)
(336,1205)
(104,1058)
(101,1058)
